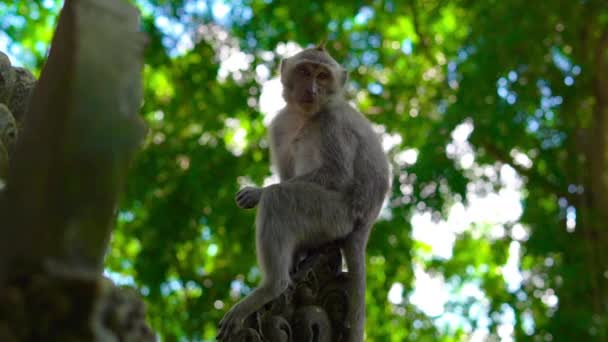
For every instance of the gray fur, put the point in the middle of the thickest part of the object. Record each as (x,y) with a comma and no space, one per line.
(334,177)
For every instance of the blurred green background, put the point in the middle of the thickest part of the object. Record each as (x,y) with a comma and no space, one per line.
(494,114)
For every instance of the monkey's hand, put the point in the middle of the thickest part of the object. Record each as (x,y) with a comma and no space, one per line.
(248,197)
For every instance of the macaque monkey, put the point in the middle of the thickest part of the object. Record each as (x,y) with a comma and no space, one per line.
(334,177)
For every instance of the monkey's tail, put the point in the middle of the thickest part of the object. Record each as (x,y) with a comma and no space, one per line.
(354,252)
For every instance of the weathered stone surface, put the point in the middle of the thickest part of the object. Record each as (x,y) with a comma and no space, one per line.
(3,165)
(21,92)
(8,127)
(11,83)
(80,130)
(70,305)
(79,134)
(312,309)
(16,87)
(7,78)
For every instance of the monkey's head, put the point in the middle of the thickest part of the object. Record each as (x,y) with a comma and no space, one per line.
(311,78)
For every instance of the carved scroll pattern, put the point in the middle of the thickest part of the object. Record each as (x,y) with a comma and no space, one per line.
(312,309)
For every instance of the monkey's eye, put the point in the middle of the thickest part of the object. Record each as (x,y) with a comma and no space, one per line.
(324,75)
(303,71)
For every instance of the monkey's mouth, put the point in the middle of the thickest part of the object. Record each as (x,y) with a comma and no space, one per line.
(307,100)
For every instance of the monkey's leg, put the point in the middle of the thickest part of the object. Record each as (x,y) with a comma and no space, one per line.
(302,214)
(275,268)
(354,253)
(289,215)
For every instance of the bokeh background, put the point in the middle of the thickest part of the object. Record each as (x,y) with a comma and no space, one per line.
(494,115)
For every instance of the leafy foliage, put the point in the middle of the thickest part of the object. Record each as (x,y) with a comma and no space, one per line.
(526,83)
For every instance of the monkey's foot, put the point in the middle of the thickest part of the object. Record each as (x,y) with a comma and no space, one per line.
(231,323)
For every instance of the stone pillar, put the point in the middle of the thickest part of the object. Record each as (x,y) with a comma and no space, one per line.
(312,309)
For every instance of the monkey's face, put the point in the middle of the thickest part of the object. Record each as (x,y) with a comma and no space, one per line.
(310,79)
(312,86)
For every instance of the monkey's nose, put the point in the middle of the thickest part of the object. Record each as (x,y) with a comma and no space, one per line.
(308,96)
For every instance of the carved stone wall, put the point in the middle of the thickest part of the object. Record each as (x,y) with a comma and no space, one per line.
(312,309)
(57,304)
(53,239)
(16,86)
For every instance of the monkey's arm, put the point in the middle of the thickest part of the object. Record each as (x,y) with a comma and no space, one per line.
(249,197)
(338,148)
(277,139)
(371,183)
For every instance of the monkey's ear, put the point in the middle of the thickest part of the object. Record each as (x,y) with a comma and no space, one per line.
(284,63)
(321,45)
(343,76)
(283,70)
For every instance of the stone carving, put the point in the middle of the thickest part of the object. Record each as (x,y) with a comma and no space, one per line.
(51,257)
(312,309)
(16,86)
(49,306)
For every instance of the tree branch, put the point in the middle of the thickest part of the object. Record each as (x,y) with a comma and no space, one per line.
(424,40)
(596,152)
(530,174)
